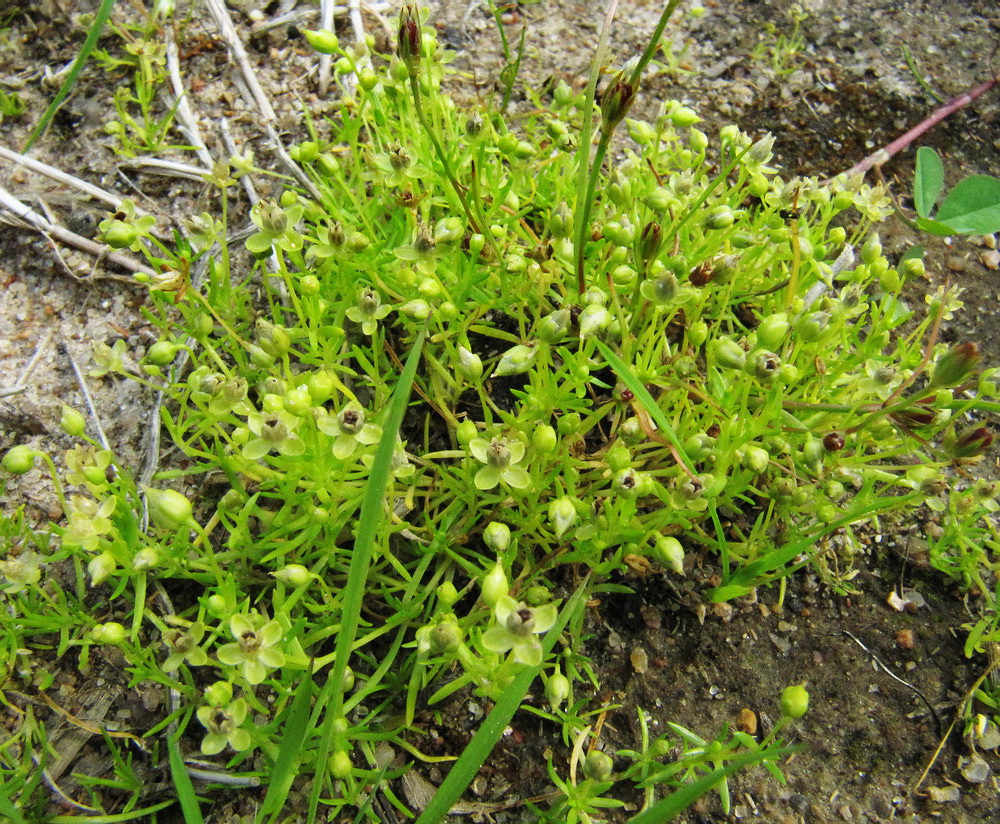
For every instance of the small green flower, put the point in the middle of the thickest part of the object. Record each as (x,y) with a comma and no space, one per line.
(185,646)
(87,467)
(499,455)
(125,225)
(277,227)
(399,167)
(369,310)
(88,521)
(21,571)
(273,431)
(223,725)
(516,627)
(109,358)
(255,648)
(882,378)
(349,429)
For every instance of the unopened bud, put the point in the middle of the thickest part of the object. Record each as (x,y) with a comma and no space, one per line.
(955,366)
(562,515)
(495,585)
(408,39)
(616,101)
(496,536)
(323,41)
(168,508)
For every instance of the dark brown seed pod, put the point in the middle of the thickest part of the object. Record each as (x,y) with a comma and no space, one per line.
(833,442)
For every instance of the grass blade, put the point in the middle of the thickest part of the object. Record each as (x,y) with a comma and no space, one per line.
(683,798)
(93,34)
(628,377)
(186,796)
(369,522)
(290,750)
(486,737)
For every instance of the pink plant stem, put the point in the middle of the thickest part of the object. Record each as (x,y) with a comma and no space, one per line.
(883,155)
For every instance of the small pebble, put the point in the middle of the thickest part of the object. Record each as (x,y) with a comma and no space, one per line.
(746,721)
(956,263)
(906,639)
(990,259)
(640,660)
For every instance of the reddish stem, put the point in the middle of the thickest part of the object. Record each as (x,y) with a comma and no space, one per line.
(883,155)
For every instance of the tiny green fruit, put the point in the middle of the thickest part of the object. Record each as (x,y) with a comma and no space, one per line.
(794,701)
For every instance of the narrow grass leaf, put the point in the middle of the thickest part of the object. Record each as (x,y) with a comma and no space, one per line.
(93,34)
(186,795)
(10,812)
(486,737)
(635,385)
(369,522)
(290,750)
(683,798)
(142,814)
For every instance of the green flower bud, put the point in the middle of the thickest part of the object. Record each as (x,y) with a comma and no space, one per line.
(516,360)
(811,326)
(556,690)
(697,333)
(593,319)
(668,553)
(146,558)
(758,185)
(101,568)
(562,95)
(168,508)
(120,235)
(367,79)
(720,217)
(697,140)
(470,365)
(322,40)
(872,249)
(162,352)
(660,199)
(110,632)
(598,766)
(298,401)
(294,575)
(812,452)
(340,764)
(466,431)
(562,515)
(497,536)
(72,422)
(955,366)
(544,439)
(794,701)
(553,326)
(357,242)
(618,457)
(418,309)
(728,353)
(755,459)
(773,330)
(682,117)
(19,459)
(912,268)
(494,585)
(447,594)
